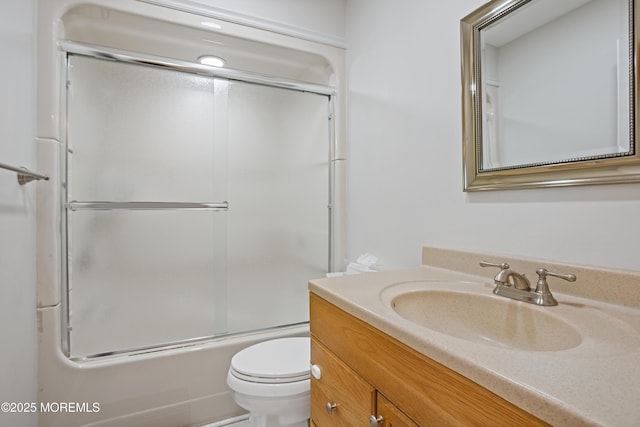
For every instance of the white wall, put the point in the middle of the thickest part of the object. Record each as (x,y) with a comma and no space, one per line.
(17,211)
(405,156)
(323,16)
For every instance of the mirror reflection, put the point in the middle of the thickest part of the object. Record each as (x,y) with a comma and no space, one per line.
(555,83)
(548,93)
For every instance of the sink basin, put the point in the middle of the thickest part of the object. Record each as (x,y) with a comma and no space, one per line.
(486,319)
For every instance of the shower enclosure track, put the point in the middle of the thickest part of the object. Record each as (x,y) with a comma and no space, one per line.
(125,56)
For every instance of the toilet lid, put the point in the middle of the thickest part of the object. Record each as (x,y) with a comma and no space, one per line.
(275,361)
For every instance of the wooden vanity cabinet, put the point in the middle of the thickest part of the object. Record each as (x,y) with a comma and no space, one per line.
(365,372)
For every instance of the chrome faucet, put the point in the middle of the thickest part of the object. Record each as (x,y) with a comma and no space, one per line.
(516,286)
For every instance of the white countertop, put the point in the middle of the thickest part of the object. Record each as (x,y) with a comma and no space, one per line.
(595,383)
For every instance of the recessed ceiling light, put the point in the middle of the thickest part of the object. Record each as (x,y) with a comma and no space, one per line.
(214,61)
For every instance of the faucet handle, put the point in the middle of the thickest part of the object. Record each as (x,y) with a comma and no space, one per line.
(543,273)
(502,265)
(542,287)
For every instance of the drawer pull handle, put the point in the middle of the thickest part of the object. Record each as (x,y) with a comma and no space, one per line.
(330,407)
(316,372)
(375,422)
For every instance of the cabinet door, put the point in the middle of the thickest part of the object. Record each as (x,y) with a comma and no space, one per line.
(339,398)
(390,416)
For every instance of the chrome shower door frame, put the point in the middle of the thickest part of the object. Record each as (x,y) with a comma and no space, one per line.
(71,48)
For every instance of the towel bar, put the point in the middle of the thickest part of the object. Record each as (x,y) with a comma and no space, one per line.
(74,206)
(24,174)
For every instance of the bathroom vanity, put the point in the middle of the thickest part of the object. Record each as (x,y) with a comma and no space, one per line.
(434,346)
(365,373)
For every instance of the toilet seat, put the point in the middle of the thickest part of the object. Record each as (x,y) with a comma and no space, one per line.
(278,361)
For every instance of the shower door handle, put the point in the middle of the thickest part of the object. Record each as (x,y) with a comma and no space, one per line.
(206,206)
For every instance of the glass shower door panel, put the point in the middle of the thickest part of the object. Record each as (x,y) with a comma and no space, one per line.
(140,279)
(278,185)
(142,134)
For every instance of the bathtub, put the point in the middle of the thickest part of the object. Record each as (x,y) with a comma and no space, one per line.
(183,385)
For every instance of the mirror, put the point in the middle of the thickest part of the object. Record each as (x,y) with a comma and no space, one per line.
(549,93)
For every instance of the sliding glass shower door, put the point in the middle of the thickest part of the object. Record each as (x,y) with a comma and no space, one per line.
(278,186)
(195,206)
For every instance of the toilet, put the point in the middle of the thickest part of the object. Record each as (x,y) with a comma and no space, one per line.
(271,381)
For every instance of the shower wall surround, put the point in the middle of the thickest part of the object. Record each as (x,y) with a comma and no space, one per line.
(184,383)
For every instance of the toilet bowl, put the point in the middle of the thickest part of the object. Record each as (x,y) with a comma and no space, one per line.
(271,381)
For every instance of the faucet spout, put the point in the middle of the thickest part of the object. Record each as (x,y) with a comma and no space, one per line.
(507,277)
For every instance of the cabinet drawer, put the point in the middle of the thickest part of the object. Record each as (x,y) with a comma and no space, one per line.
(391,415)
(340,386)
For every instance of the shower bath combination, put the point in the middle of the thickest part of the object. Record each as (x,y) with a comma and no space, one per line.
(149,263)
(195,203)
